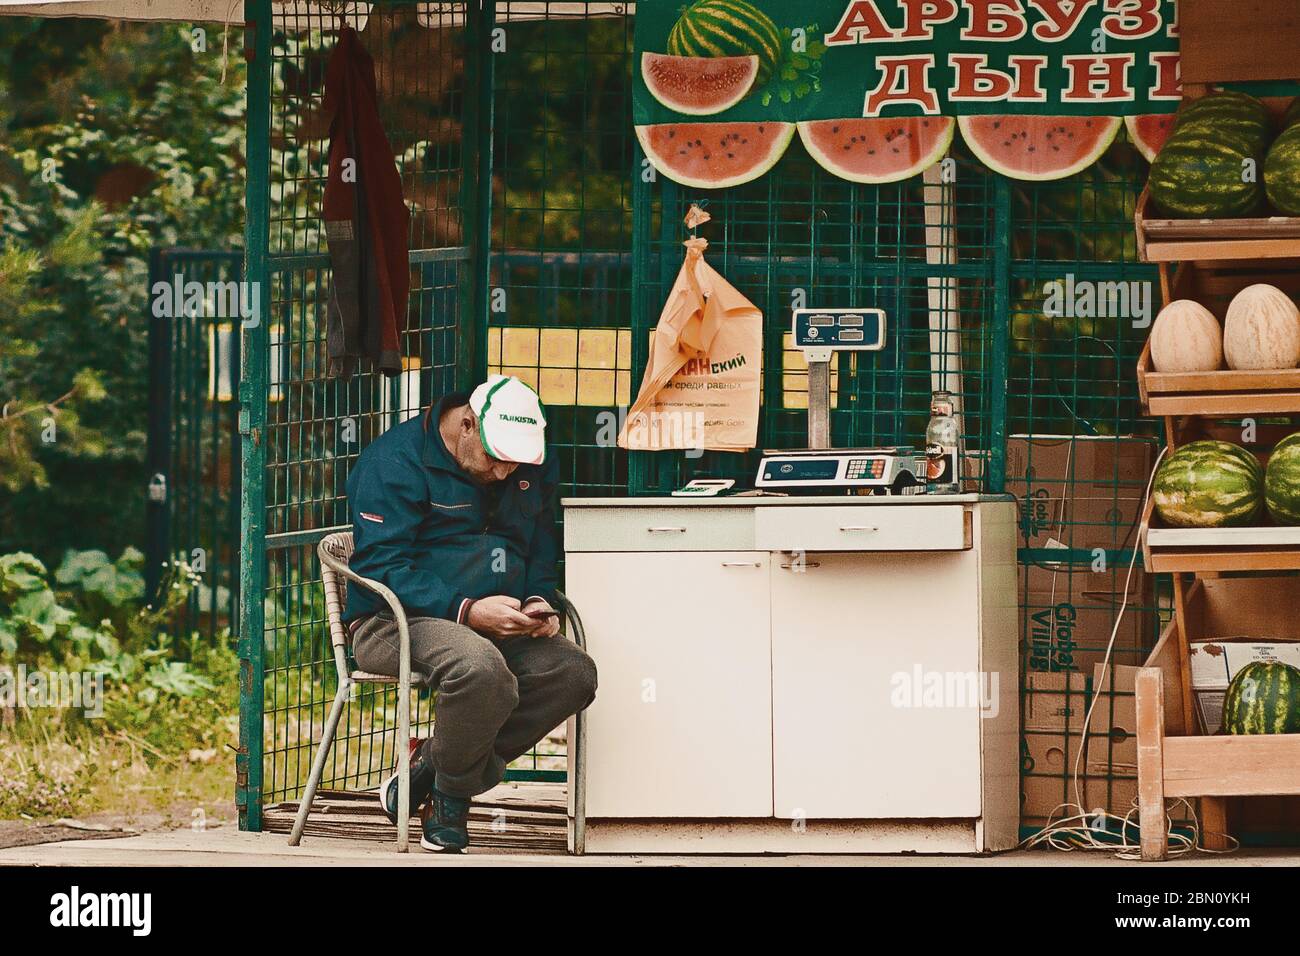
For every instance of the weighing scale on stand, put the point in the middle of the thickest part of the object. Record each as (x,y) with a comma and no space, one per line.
(899,470)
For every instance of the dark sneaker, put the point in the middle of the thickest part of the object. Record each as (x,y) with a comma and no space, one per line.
(444,824)
(421,786)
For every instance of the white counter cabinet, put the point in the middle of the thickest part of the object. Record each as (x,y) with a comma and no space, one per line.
(797,674)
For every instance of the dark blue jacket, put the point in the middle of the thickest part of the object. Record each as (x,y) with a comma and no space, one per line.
(434,535)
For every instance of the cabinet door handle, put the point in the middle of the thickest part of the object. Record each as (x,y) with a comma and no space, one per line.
(806,564)
(666,530)
(742,564)
(858,527)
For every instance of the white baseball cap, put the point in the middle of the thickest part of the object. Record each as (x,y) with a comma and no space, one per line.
(511,423)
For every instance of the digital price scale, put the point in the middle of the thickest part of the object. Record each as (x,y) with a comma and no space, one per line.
(820,333)
(887,470)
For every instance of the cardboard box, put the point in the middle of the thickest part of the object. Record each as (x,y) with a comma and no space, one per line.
(1046,782)
(1083,494)
(1112,731)
(1215,662)
(1095,464)
(1055,701)
(1067,615)
(1080,492)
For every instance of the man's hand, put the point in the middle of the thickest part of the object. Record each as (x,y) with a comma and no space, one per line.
(499,616)
(545,626)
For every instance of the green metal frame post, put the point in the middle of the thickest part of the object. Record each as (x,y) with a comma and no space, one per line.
(252,419)
(998,380)
(477,199)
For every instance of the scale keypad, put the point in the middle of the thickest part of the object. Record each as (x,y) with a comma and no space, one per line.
(859,468)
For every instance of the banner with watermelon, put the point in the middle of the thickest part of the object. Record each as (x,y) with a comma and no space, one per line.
(830,59)
(876,88)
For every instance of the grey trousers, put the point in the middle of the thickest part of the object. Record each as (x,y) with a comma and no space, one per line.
(495,698)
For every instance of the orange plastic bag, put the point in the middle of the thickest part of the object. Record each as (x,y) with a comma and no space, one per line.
(702,382)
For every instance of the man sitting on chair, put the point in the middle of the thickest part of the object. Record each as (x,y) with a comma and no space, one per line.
(454,510)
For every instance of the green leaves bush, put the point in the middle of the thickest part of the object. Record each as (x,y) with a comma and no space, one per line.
(114,138)
(89,614)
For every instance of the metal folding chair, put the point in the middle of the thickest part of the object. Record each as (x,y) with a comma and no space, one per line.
(335,553)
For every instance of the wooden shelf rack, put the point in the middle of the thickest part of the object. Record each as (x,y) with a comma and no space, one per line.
(1174,758)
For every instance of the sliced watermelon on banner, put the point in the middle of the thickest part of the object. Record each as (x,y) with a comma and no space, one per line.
(714,155)
(1038,147)
(878,150)
(1149,132)
(698,85)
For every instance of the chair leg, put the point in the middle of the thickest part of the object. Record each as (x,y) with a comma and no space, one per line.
(404,751)
(318,765)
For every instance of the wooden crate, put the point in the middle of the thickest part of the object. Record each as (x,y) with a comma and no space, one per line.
(1207,59)
(1161,239)
(1175,759)
(1214,550)
(1223,392)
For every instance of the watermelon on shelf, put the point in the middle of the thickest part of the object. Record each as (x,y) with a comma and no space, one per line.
(696,85)
(714,155)
(1199,172)
(1149,132)
(1038,147)
(1263,698)
(878,150)
(1209,484)
(1282,481)
(1282,171)
(1229,114)
(713,28)
(1291,115)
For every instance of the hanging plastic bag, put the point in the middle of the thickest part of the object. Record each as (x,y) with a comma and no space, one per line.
(702,382)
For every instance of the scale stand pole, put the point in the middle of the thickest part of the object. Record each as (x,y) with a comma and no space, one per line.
(819,397)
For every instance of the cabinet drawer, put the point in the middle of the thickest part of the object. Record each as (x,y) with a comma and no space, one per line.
(863,528)
(688,528)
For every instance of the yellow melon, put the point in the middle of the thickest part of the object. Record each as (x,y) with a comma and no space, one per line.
(1262,329)
(1186,338)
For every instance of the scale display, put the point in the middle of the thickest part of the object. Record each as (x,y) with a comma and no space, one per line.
(853,330)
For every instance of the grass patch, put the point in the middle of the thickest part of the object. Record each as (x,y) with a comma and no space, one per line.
(154,752)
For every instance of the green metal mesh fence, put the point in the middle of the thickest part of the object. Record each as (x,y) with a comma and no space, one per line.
(317,425)
(1080,303)
(193,504)
(922,251)
(541,250)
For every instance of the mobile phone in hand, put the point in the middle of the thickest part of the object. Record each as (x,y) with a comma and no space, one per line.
(541,613)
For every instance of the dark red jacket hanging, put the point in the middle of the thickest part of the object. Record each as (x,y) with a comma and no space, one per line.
(366,221)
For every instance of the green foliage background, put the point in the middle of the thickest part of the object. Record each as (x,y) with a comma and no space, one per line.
(114,138)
